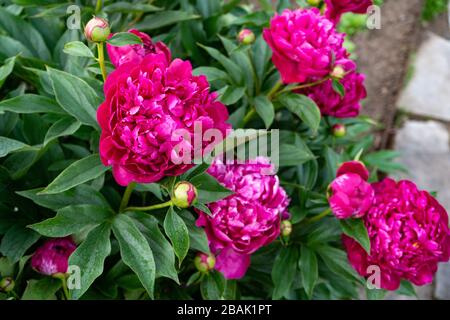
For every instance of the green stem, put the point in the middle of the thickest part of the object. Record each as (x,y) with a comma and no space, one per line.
(98,6)
(65,289)
(126,196)
(318,217)
(249,115)
(303,86)
(101,59)
(153,207)
(274,90)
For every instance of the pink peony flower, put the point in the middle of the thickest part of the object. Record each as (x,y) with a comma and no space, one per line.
(303,44)
(351,194)
(53,256)
(247,220)
(136,52)
(353,167)
(409,235)
(335,8)
(146,104)
(331,103)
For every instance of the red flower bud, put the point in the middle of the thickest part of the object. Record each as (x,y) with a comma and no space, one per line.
(204,262)
(339,130)
(246,36)
(184,194)
(97,30)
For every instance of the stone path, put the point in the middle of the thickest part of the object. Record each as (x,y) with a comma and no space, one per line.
(423,140)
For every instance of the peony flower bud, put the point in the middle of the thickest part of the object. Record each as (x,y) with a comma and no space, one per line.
(314,3)
(52,258)
(286,228)
(97,30)
(338,130)
(338,73)
(246,36)
(7,284)
(184,194)
(204,262)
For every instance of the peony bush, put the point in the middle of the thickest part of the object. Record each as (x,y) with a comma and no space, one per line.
(127,169)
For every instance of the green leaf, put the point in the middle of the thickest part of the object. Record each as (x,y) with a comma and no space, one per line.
(209,189)
(120,39)
(44,289)
(83,194)
(264,108)
(78,49)
(293,155)
(202,208)
(375,294)
(230,66)
(30,103)
(90,257)
(9,145)
(336,260)
(65,126)
(384,161)
(75,96)
(128,7)
(197,236)
(135,251)
(17,241)
(211,73)
(284,271)
(25,33)
(165,18)
(303,107)
(232,95)
(406,289)
(6,70)
(338,88)
(162,250)
(79,172)
(212,286)
(309,269)
(72,219)
(261,57)
(355,228)
(178,234)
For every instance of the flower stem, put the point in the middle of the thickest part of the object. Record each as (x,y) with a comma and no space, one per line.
(274,90)
(98,6)
(101,59)
(126,196)
(65,289)
(153,207)
(318,217)
(303,86)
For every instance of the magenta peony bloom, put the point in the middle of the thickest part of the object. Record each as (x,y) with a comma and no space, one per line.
(146,106)
(335,8)
(136,52)
(53,256)
(247,220)
(353,167)
(331,103)
(408,232)
(303,44)
(351,194)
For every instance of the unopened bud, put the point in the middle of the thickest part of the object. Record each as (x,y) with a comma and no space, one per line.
(314,3)
(204,262)
(286,228)
(246,36)
(97,30)
(339,130)
(338,73)
(7,284)
(184,194)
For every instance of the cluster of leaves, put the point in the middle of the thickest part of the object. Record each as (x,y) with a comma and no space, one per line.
(53,184)
(433,8)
